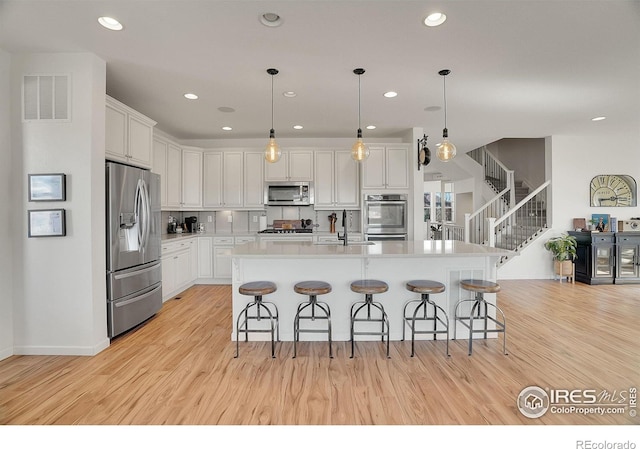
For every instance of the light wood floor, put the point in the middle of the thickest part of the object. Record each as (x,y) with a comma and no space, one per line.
(179,369)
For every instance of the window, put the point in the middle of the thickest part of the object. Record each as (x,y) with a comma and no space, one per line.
(435,209)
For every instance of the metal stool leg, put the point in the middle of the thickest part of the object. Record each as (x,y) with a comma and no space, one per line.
(313,303)
(244,325)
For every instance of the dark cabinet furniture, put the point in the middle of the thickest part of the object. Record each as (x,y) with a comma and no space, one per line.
(595,263)
(607,257)
(627,258)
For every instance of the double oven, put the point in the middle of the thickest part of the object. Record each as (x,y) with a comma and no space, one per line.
(385,217)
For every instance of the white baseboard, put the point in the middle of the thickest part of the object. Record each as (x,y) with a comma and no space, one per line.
(62,350)
(6,353)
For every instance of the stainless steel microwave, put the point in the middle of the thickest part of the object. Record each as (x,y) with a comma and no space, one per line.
(287,193)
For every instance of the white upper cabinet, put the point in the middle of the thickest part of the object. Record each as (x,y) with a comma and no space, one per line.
(167,162)
(254,179)
(191,178)
(233,178)
(159,166)
(387,167)
(224,180)
(336,180)
(128,135)
(347,180)
(296,165)
(212,179)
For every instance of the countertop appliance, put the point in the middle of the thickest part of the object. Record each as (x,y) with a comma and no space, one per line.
(385,217)
(191,224)
(134,273)
(288,193)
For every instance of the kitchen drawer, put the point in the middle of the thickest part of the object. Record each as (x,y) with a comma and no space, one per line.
(223,240)
(602,238)
(173,246)
(246,239)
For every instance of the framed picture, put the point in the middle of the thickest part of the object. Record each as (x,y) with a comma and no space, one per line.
(601,222)
(47,187)
(47,223)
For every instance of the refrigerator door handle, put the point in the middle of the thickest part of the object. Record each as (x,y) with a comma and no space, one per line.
(137,211)
(129,274)
(147,216)
(142,211)
(137,298)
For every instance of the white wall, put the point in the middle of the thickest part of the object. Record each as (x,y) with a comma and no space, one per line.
(60,303)
(524,156)
(6,181)
(575,160)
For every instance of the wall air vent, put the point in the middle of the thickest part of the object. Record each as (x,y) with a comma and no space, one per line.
(46,97)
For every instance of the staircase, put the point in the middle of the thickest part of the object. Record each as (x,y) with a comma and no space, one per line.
(514,217)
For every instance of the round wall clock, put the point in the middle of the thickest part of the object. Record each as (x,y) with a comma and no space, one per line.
(613,191)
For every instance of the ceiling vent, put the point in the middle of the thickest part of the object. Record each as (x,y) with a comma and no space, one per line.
(45,97)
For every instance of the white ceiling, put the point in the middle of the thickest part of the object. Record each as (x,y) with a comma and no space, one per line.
(518,68)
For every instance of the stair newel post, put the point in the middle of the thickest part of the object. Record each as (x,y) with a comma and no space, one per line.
(467,227)
(491,225)
(512,187)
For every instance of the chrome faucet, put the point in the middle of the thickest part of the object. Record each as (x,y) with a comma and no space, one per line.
(344,227)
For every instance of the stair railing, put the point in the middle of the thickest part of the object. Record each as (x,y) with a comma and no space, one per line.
(476,229)
(496,174)
(452,232)
(523,222)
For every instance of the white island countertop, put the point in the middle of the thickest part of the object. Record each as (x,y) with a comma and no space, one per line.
(391,249)
(394,262)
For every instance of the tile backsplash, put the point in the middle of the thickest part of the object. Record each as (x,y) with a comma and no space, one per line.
(247,222)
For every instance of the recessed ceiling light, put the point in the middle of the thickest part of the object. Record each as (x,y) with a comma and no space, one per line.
(190,96)
(435,19)
(226,109)
(271,19)
(289,94)
(110,23)
(297,126)
(390,94)
(227,128)
(371,127)
(597,119)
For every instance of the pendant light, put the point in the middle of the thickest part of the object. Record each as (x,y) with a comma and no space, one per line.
(446,149)
(272,152)
(359,151)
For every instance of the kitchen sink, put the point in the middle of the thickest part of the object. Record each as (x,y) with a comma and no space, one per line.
(365,243)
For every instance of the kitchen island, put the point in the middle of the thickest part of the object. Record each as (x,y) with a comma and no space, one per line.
(395,262)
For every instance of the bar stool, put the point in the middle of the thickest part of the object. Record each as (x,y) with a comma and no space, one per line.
(257,289)
(479,287)
(425,288)
(369,287)
(313,289)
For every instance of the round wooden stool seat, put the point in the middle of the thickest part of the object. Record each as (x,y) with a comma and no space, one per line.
(480,286)
(424,286)
(369,286)
(257,288)
(312,288)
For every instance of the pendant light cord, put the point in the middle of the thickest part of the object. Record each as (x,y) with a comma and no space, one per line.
(272,102)
(359,127)
(444,81)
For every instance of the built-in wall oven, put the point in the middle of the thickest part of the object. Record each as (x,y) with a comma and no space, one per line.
(385,217)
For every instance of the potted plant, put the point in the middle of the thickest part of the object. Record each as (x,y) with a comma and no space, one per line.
(564,251)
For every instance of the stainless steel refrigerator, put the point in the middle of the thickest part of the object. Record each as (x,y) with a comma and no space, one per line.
(134,273)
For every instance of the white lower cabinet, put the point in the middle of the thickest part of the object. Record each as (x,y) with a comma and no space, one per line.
(222,249)
(178,268)
(205,257)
